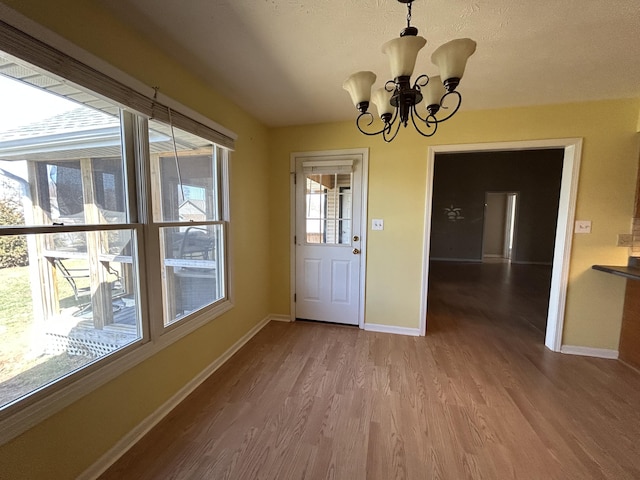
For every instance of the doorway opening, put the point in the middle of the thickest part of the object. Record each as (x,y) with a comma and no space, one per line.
(561,231)
(499,229)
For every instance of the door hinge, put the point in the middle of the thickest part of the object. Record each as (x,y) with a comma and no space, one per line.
(295,239)
(295,297)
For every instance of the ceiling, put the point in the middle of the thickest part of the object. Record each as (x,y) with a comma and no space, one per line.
(285,60)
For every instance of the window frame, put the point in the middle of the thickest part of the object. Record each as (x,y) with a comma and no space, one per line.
(221,218)
(27,411)
(155,275)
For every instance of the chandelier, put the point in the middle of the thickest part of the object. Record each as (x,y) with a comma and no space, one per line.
(399,100)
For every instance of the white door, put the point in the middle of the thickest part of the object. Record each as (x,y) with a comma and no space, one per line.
(328,241)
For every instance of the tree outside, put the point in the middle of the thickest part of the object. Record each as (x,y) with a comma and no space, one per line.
(13,249)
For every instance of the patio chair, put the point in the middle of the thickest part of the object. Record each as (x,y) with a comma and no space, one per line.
(196,243)
(83,294)
(71,275)
(194,287)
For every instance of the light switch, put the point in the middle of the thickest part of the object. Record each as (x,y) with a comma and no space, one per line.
(377,224)
(583,226)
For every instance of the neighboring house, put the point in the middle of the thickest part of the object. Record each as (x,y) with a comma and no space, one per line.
(192,210)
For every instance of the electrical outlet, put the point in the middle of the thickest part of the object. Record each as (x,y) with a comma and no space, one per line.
(377,224)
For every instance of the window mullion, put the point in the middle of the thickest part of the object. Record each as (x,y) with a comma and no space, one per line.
(128,139)
(224,182)
(93,227)
(189,224)
(149,243)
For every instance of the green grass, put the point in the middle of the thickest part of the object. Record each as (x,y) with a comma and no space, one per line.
(21,371)
(15,296)
(16,305)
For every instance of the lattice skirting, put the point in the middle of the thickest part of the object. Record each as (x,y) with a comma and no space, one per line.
(89,342)
(57,344)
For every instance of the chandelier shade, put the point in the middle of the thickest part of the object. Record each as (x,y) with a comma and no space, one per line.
(451,58)
(381,98)
(359,87)
(397,101)
(403,52)
(433,91)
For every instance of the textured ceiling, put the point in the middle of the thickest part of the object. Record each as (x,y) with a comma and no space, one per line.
(285,60)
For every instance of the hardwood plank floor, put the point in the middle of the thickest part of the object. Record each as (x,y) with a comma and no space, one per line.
(479,397)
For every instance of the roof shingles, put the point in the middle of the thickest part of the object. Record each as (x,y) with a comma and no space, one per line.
(78,119)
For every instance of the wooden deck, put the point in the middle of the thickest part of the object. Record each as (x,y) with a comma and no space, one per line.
(478,397)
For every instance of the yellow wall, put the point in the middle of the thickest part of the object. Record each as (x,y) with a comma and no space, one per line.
(69,442)
(397,182)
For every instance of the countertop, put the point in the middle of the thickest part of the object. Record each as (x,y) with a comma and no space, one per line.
(627,272)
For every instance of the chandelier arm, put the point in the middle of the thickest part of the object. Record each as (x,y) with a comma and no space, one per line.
(418,83)
(390,86)
(459,97)
(370,122)
(390,125)
(393,119)
(433,125)
(425,120)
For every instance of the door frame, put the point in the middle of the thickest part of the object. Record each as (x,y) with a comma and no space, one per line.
(329,155)
(513,219)
(511,227)
(564,227)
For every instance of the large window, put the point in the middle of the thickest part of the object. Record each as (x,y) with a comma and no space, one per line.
(188,206)
(89,188)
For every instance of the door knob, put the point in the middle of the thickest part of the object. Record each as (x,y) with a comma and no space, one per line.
(356,251)
(356,238)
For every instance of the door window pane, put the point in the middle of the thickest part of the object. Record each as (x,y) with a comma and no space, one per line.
(328,208)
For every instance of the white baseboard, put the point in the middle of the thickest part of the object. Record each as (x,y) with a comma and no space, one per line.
(375,327)
(459,260)
(132,437)
(280,318)
(518,262)
(589,351)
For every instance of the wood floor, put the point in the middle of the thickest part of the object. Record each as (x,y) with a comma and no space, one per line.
(478,398)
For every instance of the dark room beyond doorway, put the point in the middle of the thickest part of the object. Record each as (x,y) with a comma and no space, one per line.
(461,183)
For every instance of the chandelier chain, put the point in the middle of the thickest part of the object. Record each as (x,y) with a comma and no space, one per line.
(409,14)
